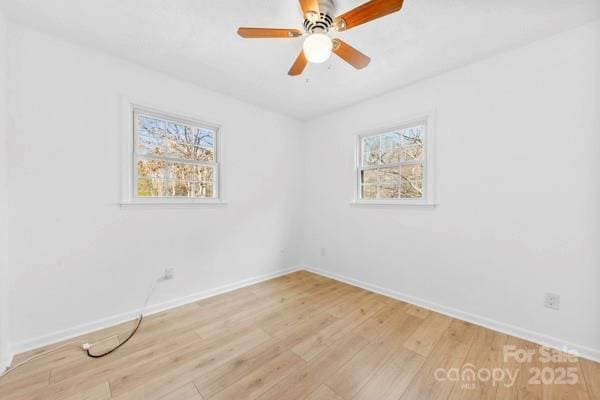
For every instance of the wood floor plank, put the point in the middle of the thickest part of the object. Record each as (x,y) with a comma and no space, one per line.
(376,326)
(152,333)
(354,375)
(431,382)
(218,379)
(559,385)
(173,335)
(395,334)
(26,375)
(351,378)
(298,336)
(417,311)
(520,387)
(307,379)
(461,331)
(486,353)
(318,342)
(186,392)
(350,304)
(323,393)
(304,309)
(270,317)
(391,380)
(164,375)
(98,370)
(262,379)
(21,387)
(280,292)
(430,331)
(99,392)
(591,373)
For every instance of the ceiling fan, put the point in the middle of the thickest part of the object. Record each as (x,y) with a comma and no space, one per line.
(318,21)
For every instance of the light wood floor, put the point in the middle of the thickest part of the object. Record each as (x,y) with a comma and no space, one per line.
(300,336)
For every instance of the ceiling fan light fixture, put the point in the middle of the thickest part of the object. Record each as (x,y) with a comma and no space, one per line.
(317,47)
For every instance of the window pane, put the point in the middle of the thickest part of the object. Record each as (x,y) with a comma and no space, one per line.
(389,191)
(391,140)
(176,133)
(191,189)
(369,192)
(160,138)
(412,181)
(389,175)
(204,189)
(189,152)
(205,138)
(150,136)
(190,135)
(412,153)
(152,168)
(413,135)
(189,172)
(369,176)
(180,188)
(151,127)
(190,143)
(390,156)
(152,187)
(412,143)
(148,145)
(371,150)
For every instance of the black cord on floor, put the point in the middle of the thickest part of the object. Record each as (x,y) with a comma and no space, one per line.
(120,344)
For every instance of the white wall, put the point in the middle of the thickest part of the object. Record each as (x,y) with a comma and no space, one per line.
(4,331)
(518,166)
(77,256)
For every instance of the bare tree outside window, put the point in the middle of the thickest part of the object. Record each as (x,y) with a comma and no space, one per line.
(391,164)
(173,158)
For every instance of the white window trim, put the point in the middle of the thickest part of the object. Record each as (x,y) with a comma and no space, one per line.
(128,197)
(429,176)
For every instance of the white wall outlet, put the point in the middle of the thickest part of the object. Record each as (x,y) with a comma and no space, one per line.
(552,300)
(323,251)
(169,273)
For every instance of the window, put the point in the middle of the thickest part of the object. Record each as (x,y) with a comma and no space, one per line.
(173,159)
(392,165)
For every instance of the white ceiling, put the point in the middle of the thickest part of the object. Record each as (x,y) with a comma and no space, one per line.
(196,40)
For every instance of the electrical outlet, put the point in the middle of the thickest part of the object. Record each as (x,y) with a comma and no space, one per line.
(552,300)
(169,273)
(323,252)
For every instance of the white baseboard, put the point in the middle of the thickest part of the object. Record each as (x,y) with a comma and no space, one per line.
(55,337)
(536,337)
(6,361)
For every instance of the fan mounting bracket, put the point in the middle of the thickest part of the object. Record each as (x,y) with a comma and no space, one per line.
(323,21)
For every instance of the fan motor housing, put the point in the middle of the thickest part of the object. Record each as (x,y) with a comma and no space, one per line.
(323,21)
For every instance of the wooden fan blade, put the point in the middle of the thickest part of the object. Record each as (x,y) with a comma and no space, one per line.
(262,33)
(367,12)
(299,64)
(310,7)
(349,54)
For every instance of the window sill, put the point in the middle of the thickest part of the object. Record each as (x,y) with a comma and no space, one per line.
(392,203)
(173,204)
